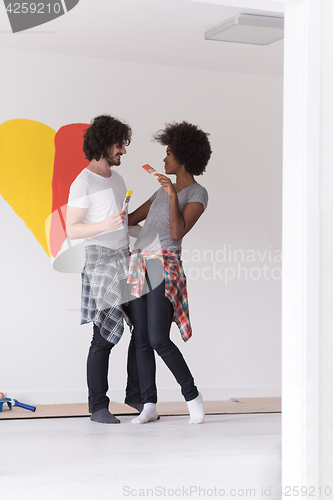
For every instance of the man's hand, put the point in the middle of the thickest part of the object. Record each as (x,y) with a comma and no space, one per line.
(115,221)
(76,229)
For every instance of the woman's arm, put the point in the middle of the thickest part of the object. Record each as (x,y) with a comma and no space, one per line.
(134,231)
(76,229)
(139,214)
(180,222)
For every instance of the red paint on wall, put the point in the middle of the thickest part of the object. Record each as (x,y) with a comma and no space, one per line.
(69,160)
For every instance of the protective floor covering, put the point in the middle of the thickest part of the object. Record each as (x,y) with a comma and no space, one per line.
(234,406)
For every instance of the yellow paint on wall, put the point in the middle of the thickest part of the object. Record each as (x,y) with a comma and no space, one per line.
(26,170)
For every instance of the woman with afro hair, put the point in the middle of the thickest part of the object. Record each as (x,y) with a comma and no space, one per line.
(156,272)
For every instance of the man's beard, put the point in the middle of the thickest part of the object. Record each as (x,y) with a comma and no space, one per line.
(113,161)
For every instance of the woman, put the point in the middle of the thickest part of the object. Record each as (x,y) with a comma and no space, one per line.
(156,271)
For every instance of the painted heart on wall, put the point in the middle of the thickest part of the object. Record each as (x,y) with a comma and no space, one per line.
(37,167)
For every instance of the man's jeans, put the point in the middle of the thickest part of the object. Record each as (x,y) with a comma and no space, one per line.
(97,373)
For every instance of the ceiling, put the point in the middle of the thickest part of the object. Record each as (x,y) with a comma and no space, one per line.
(166,32)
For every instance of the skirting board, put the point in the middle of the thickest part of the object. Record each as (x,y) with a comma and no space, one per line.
(235,406)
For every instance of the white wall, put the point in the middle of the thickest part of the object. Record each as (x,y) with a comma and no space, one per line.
(236,345)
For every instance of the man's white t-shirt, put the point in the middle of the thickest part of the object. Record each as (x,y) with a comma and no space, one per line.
(102,196)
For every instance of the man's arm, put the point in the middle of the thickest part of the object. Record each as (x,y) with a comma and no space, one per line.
(76,229)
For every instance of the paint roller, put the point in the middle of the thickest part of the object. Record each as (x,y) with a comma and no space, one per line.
(13,402)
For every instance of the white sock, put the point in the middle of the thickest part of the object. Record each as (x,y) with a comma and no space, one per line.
(196,409)
(148,414)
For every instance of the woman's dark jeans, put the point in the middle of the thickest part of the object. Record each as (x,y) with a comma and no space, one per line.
(152,316)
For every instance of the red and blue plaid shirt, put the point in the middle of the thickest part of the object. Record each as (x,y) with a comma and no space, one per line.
(175,283)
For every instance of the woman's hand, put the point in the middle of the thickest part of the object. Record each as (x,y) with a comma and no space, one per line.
(166,183)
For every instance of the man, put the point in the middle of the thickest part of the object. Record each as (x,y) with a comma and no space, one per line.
(95,214)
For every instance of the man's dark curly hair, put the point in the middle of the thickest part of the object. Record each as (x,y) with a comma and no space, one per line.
(104,131)
(189,145)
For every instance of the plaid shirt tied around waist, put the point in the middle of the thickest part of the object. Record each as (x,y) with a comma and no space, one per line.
(102,296)
(175,283)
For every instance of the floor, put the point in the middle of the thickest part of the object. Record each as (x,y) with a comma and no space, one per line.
(76,459)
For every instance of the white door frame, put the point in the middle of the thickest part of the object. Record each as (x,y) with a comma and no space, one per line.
(301,248)
(301,458)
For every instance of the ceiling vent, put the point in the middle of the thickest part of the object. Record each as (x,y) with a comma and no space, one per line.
(248,28)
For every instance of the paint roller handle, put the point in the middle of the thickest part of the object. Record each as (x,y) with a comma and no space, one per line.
(22,405)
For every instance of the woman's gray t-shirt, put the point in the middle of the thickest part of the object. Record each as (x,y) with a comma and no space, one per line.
(156,234)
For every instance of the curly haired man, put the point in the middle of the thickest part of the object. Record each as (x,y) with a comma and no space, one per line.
(95,215)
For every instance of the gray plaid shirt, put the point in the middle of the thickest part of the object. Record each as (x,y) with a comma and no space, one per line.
(104,290)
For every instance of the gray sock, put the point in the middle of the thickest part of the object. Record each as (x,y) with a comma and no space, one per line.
(103,416)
